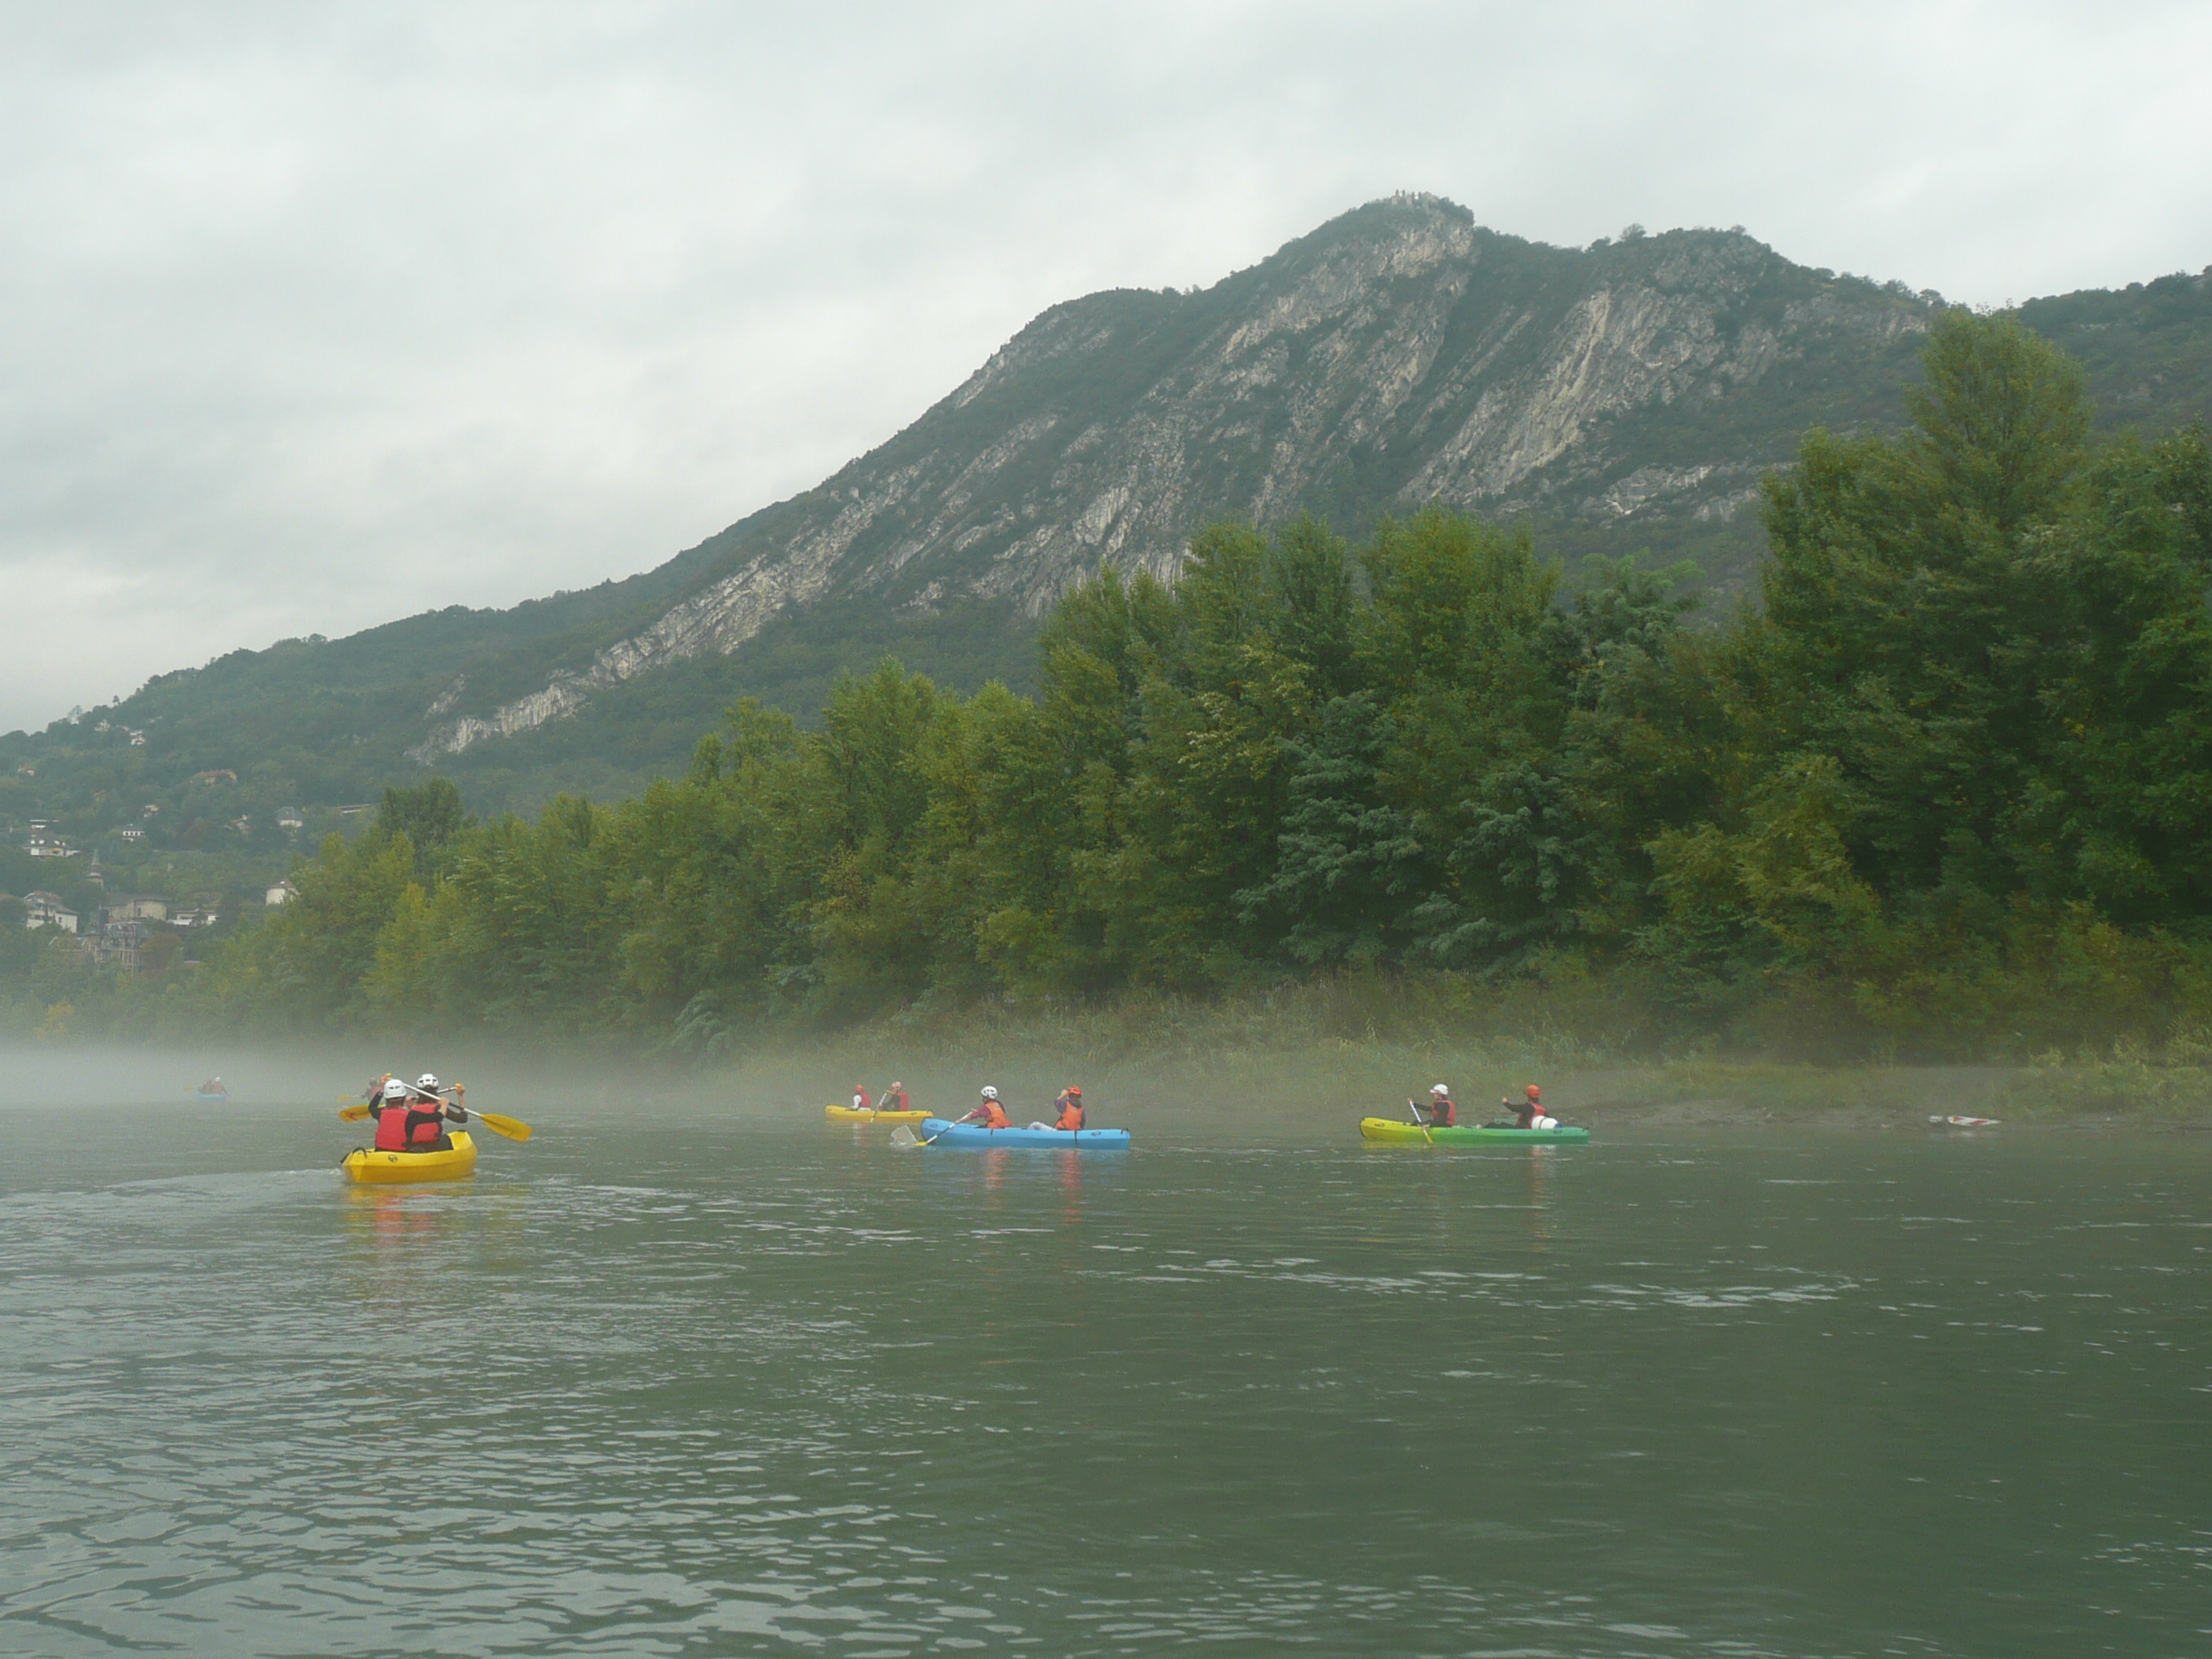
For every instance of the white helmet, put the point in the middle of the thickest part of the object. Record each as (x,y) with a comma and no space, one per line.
(395,1088)
(1438,1088)
(989,1093)
(428,1082)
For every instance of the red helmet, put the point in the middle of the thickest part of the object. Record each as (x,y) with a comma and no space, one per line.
(1533,1093)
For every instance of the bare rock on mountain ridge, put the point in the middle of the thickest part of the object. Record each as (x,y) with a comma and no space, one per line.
(1398,355)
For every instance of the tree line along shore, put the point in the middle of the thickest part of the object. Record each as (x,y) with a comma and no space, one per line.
(1945,792)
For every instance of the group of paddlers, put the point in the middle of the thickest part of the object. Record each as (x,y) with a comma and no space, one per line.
(987,1110)
(1528,1111)
(411,1117)
(1437,1112)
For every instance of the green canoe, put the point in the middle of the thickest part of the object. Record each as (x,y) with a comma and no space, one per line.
(1391,1128)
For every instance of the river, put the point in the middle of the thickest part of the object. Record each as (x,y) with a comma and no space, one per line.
(676,1382)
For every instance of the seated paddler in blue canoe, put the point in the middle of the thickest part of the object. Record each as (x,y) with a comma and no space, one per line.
(988,1112)
(1070,1106)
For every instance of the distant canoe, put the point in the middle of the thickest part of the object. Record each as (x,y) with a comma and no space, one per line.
(848,1114)
(938,1131)
(1400,1131)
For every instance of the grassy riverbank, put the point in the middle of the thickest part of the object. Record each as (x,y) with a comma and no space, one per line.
(1351,1046)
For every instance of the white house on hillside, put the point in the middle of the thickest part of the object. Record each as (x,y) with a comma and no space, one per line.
(48,910)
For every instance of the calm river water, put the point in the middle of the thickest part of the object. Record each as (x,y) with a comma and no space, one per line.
(669,1383)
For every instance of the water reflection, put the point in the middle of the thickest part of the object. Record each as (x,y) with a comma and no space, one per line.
(1539,1169)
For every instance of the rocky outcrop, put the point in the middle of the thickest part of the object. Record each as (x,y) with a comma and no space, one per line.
(1398,355)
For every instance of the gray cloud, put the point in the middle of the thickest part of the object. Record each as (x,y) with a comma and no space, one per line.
(314,317)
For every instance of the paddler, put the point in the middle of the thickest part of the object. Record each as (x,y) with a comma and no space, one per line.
(1442,1115)
(388,1097)
(1528,1111)
(988,1112)
(859,1098)
(427,1116)
(1070,1103)
(895,1098)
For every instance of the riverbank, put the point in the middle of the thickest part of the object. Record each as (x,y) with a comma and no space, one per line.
(1317,1054)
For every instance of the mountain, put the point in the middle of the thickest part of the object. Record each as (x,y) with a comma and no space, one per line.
(1621,397)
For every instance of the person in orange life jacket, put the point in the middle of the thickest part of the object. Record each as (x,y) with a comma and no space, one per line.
(989,1113)
(895,1098)
(1528,1111)
(1071,1107)
(1442,1115)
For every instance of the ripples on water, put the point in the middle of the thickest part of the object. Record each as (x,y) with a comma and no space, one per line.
(764,1388)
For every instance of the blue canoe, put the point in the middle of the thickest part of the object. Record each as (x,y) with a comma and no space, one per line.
(974,1134)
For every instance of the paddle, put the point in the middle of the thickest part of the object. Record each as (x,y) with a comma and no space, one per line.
(498,1122)
(903,1138)
(1413,1112)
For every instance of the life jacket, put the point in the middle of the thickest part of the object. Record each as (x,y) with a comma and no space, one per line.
(859,1100)
(392,1129)
(994,1117)
(1527,1112)
(901,1102)
(426,1127)
(1442,1115)
(1071,1114)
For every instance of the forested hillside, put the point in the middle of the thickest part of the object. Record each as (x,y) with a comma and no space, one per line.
(1622,396)
(1946,791)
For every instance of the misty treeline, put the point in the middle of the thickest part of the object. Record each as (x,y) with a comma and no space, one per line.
(1946,790)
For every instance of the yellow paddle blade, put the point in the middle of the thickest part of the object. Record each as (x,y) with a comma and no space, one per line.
(355,1112)
(512,1128)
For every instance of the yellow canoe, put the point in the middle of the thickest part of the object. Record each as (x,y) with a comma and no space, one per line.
(383,1167)
(847,1115)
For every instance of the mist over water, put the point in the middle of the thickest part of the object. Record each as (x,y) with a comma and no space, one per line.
(692,1372)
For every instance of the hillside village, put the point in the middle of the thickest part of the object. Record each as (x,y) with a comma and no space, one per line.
(93,902)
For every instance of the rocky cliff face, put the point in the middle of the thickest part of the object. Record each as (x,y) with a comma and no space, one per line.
(1400,354)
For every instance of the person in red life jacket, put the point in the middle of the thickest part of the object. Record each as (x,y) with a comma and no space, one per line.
(1528,1111)
(1442,1115)
(1071,1108)
(859,1098)
(895,1098)
(428,1115)
(390,1098)
(989,1113)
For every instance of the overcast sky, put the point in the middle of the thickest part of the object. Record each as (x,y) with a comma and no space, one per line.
(315,316)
